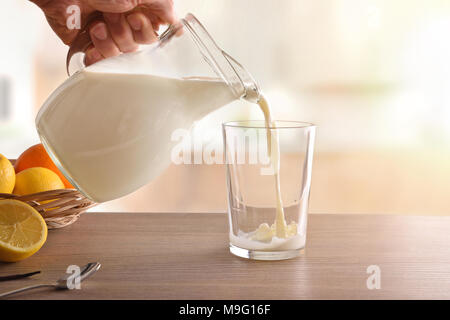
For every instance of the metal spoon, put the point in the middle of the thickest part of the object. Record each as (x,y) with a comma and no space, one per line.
(62,283)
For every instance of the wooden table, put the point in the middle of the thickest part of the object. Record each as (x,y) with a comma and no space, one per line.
(185,256)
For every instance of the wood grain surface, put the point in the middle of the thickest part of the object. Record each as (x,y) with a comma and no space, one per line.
(185,256)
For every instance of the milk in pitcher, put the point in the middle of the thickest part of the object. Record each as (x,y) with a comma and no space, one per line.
(118,137)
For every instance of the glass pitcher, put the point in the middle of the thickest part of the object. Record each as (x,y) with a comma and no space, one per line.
(108,127)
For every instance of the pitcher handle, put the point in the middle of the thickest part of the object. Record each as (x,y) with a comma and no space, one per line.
(81,42)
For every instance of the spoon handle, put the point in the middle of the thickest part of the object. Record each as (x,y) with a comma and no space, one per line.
(18,276)
(10,293)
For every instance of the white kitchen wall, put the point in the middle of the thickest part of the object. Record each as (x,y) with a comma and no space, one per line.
(19,25)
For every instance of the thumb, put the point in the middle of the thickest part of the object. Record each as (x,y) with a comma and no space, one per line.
(115,6)
(160,8)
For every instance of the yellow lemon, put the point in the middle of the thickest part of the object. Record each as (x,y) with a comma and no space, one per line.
(36,179)
(7,175)
(22,230)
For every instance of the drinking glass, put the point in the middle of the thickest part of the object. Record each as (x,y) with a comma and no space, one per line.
(258,184)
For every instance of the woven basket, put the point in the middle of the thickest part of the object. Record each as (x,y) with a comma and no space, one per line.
(63,208)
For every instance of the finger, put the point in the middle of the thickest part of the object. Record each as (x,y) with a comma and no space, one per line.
(120,31)
(161,8)
(102,40)
(143,31)
(116,6)
(92,55)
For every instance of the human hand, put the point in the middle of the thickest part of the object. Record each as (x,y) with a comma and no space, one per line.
(113,26)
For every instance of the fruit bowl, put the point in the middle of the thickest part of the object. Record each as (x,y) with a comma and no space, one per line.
(59,208)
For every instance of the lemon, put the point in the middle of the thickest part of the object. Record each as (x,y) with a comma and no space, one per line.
(36,179)
(7,175)
(22,230)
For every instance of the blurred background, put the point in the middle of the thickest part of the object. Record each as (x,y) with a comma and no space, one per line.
(373,75)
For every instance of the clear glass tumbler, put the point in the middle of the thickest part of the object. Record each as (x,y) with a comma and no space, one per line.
(269,179)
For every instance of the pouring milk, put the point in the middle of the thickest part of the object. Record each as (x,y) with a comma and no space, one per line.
(279,235)
(110,132)
(118,136)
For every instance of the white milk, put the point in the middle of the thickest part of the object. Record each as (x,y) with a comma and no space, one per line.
(118,136)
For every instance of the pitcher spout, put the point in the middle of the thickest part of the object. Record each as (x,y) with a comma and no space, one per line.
(226,67)
(251,90)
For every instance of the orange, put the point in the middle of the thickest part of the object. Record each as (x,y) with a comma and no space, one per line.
(36,156)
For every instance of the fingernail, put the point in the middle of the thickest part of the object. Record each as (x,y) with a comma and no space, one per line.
(93,54)
(99,31)
(134,22)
